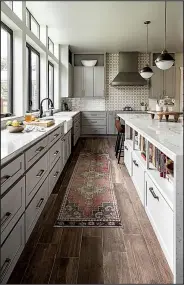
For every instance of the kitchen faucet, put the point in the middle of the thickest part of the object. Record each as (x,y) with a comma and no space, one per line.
(41,108)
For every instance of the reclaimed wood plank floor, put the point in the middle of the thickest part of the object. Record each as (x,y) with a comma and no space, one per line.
(131,255)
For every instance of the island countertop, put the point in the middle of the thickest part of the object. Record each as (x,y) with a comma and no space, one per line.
(167,136)
(13,144)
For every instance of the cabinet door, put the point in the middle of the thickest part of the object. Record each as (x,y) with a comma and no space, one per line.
(70,80)
(111,129)
(88,81)
(128,157)
(78,82)
(156,83)
(169,75)
(99,81)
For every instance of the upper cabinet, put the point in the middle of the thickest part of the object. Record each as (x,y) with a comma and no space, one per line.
(89,81)
(66,81)
(162,78)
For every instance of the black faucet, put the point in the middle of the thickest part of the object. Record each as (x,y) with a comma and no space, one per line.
(41,108)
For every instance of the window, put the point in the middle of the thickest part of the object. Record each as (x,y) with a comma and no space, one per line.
(6,70)
(33,78)
(50,45)
(32,24)
(51,81)
(9,4)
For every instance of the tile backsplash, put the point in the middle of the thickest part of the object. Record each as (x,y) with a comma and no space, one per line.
(116,97)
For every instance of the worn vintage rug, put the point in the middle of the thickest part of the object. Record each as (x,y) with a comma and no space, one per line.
(90,200)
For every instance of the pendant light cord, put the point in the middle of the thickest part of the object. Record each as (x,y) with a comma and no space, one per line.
(165,26)
(147,41)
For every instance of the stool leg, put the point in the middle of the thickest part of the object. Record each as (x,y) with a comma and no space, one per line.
(118,144)
(121,147)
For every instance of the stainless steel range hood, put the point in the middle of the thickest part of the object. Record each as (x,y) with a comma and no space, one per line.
(128,71)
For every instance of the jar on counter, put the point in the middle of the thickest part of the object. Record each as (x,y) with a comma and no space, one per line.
(28,116)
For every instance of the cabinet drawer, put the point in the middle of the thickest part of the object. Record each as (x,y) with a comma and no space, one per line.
(86,115)
(35,152)
(93,130)
(161,217)
(35,207)
(54,153)
(54,136)
(128,157)
(11,172)
(76,125)
(94,122)
(54,175)
(77,117)
(12,207)
(138,176)
(76,137)
(11,250)
(35,176)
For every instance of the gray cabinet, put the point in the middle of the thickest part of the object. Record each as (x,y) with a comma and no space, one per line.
(157,83)
(99,81)
(111,129)
(70,80)
(78,82)
(89,81)
(94,123)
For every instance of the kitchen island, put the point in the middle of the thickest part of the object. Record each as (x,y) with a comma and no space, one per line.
(160,191)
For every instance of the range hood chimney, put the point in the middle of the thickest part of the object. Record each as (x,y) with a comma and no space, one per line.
(128,71)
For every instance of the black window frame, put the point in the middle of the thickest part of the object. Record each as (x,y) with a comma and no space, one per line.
(29,99)
(29,22)
(10,97)
(49,39)
(51,64)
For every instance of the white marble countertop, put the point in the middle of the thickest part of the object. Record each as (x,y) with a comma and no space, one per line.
(167,136)
(13,144)
(66,113)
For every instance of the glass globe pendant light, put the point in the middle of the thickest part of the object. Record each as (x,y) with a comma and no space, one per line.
(164,60)
(146,72)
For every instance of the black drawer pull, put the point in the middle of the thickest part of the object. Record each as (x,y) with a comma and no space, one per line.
(56,174)
(153,193)
(4,179)
(40,202)
(57,151)
(4,267)
(126,147)
(5,218)
(135,162)
(40,173)
(39,149)
(56,135)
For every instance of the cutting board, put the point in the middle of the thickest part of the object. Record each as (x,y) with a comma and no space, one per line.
(45,123)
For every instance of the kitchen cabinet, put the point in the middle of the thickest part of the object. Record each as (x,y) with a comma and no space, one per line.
(138,176)
(157,82)
(78,82)
(128,157)
(99,81)
(94,123)
(161,217)
(181,90)
(66,71)
(70,80)
(89,81)
(111,129)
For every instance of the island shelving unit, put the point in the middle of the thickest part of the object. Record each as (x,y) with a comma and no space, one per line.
(153,156)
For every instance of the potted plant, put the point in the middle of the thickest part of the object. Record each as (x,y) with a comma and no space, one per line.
(143,106)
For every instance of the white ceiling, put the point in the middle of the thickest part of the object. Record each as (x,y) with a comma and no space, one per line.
(111,26)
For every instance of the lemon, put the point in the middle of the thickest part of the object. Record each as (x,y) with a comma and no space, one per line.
(15,123)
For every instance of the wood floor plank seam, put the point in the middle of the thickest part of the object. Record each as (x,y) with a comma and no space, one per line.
(79,255)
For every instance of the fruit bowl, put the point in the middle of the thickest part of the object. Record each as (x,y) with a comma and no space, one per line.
(18,129)
(89,63)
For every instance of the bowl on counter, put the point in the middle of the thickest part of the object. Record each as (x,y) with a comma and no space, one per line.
(89,63)
(18,129)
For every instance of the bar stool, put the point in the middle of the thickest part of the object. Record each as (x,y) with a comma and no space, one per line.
(119,147)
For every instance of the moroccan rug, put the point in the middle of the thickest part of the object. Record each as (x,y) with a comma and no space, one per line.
(90,200)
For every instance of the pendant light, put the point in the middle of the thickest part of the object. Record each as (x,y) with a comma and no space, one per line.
(146,72)
(165,60)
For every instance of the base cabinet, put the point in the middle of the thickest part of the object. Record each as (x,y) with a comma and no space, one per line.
(11,250)
(128,157)
(138,176)
(161,217)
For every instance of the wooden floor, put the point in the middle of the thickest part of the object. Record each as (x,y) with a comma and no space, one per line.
(131,255)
